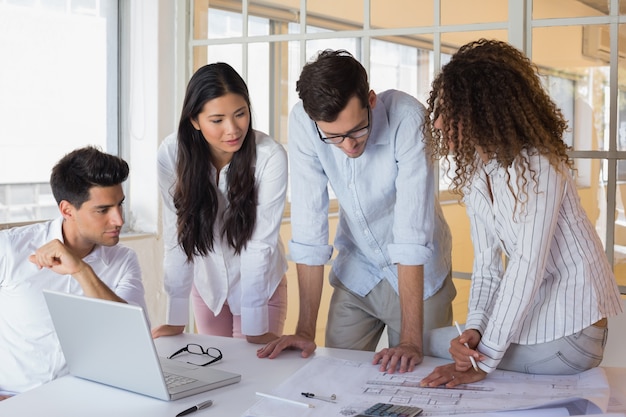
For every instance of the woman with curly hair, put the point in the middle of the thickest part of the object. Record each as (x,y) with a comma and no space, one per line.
(544,309)
(223,186)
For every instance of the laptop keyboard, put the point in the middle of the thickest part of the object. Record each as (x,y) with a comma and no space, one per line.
(173,380)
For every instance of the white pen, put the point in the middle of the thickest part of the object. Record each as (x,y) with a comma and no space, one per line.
(195,408)
(273,397)
(456,323)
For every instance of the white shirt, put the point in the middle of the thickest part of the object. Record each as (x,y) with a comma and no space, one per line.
(557,279)
(30,354)
(247,281)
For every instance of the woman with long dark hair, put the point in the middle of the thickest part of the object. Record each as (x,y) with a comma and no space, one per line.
(223,186)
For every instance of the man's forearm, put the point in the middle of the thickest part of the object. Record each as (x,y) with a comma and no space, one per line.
(310,283)
(92,285)
(411,290)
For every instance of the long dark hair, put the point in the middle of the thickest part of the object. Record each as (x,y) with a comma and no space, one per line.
(195,193)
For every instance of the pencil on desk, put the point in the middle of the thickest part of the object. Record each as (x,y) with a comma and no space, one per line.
(458,328)
(273,397)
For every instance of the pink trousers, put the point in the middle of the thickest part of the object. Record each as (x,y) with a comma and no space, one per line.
(227,324)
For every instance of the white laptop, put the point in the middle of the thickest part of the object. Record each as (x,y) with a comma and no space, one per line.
(110,343)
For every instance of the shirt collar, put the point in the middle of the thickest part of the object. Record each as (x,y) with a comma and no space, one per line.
(55,231)
(490,166)
(380,132)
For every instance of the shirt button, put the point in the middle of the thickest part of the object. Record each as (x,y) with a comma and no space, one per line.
(377,251)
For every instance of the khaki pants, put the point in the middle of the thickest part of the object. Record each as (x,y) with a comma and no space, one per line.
(356,322)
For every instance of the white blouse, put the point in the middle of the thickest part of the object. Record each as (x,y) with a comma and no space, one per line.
(556,279)
(247,280)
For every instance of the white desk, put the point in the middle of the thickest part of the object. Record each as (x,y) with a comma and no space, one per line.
(69,396)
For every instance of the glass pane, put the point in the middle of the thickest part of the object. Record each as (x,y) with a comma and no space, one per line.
(314,46)
(619,257)
(576,74)
(272,83)
(459,12)
(55,96)
(230,53)
(451,41)
(259,84)
(546,9)
(401,13)
(258,26)
(344,14)
(400,67)
(211,22)
(621,99)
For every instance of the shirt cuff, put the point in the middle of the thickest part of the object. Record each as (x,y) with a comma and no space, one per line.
(492,357)
(409,253)
(254,320)
(178,311)
(310,254)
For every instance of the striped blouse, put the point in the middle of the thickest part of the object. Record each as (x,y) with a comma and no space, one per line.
(556,279)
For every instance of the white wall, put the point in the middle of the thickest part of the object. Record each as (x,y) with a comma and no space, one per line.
(151,106)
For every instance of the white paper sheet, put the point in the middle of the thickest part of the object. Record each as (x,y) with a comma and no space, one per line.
(359,385)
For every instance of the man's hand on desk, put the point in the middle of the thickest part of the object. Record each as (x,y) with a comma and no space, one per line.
(403,357)
(273,348)
(167,330)
(448,375)
(4,397)
(262,338)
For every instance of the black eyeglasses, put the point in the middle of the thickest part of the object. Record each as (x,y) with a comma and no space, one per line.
(354,134)
(196,349)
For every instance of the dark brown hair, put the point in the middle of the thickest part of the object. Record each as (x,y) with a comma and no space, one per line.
(82,169)
(490,96)
(195,193)
(327,84)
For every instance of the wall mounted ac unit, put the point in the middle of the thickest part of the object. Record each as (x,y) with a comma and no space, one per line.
(597,43)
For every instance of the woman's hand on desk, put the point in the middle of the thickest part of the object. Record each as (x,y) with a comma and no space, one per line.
(449,376)
(273,348)
(167,330)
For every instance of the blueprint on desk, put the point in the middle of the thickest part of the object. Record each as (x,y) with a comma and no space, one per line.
(358,385)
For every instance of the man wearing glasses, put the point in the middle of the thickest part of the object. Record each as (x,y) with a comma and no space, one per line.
(394,247)
(76,253)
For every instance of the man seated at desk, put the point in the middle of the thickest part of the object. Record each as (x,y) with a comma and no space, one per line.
(76,253)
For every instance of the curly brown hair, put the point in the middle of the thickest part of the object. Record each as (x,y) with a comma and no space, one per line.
(489,96)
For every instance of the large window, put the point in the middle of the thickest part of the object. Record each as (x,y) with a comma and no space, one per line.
(577,44)
(58,84)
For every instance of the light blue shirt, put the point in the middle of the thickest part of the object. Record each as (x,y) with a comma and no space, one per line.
(389,213)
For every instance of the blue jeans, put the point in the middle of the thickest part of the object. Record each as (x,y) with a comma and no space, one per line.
(567,355)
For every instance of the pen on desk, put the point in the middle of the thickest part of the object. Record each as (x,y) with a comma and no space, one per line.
(330,399)
(458,328)
(273,397)
(195,408)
